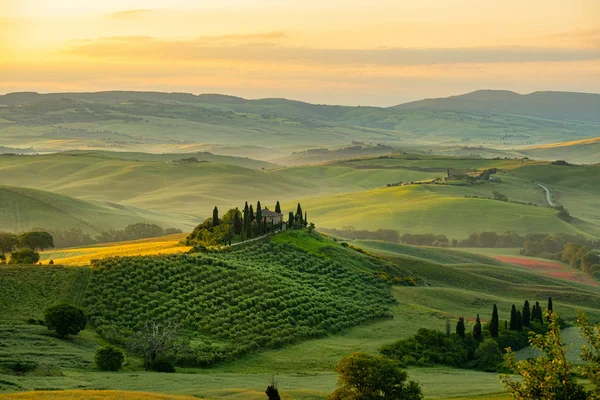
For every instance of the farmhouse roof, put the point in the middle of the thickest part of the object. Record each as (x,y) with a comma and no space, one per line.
(268,213)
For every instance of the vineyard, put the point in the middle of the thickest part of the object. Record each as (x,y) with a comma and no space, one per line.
(232,303)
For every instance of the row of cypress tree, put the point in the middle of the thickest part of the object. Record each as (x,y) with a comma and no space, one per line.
(519,319)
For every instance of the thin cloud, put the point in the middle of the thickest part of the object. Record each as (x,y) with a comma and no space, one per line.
(264,48)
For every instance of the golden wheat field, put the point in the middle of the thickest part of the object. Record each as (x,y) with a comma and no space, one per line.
(91,395)
(84,255)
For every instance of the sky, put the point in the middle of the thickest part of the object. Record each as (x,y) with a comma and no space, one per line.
(355,52)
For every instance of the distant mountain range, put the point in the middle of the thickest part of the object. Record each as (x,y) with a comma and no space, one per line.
(490,118)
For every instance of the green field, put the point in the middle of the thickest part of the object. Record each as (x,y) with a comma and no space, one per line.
(452,284)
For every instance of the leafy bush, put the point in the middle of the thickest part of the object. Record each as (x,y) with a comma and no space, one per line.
(65,319)
(489,355)
(162,364)
(24,256)
(109,358)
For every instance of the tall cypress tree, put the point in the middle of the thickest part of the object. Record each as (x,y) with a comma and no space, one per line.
(513,318)
(460,327)
(526,315)
(519,321)
(291,220)
(550,308)
(259,221)
(539,317)
(305,218)
(250,219)
(494,323)
(237,224)
(477,335)
(215,216)
(278,208)
(299,214)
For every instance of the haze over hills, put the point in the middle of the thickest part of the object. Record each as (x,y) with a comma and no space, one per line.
(181,122)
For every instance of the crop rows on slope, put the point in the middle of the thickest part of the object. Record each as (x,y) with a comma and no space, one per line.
(232,303)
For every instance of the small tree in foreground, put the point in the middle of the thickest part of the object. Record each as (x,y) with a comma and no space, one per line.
(109,358)
(364,377)
(548,376)
(590,351)
(272,392)
(65,319)
(153,342)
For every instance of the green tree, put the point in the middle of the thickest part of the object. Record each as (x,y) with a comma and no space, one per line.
(250,219)
(494,323)
(590,352)
(477,333)
(519,325)
(215,218)
(550,308)
(109,358)
(278,208)
(460,327)
(548,376)
(8,242)
(24,256)
(259,220)
(364,377)
(65,319)
(305,218)
(299,214)
(513,318)
(36,240)
(526,314)
(538,313)
(291,220)
(488,355)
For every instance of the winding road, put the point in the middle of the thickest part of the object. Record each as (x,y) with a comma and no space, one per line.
(548,197)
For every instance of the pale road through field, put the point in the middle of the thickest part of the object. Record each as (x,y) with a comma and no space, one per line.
(548,198)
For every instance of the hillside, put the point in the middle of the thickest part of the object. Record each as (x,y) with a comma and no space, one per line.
(249,292)
(585,151)
(22,209)
(179,122)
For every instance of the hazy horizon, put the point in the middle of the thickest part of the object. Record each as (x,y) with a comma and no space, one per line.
(349,53)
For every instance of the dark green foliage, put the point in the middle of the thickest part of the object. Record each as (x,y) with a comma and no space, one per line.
(387,235)
(272,392)
(499,196)
(537,314)
(65,319)
(299,214)
(526,314)
(263,295)
(489,355)
(427,348)
(460,327)
(364,377)
(8,242)
(494,323)
(259,220)
(161,364)
(36,240)
(513,318)
(290,220)
(550,307)
(493,239)
(519,322)
(109,358)
(426,239)
(477,333)
(24,256)
(278,208)
(249,224)
(215,218)
(131,232)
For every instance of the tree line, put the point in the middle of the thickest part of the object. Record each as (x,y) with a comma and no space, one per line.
(23,248)
(482,348)
(239,226)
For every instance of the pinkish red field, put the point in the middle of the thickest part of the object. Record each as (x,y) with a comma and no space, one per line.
(550,268)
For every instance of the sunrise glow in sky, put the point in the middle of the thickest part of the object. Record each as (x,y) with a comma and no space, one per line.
(368,52)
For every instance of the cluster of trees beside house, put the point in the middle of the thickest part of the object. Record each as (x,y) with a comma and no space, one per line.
(23,248)
(239,226)
(482,348)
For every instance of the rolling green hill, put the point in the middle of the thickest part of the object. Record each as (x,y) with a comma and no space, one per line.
(296,261)
(585,151)
(22,209)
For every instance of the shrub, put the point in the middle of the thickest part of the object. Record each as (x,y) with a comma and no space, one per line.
(162,364)
(24,256)
(65,319)
(109,358)
(489,355)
